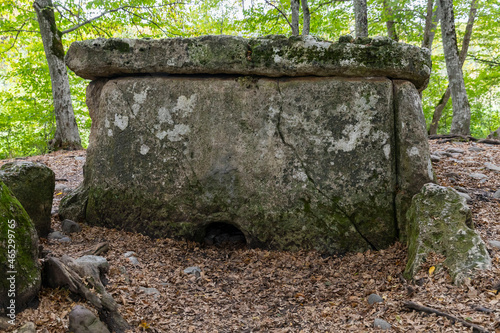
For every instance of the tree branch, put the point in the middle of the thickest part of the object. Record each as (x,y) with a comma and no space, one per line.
(113,11)
(490,62)
(280,11)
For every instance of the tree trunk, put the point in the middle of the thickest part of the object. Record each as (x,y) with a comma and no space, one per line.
(361,18)
(460,123)
(295,5)
(66,136)
(390,24)
(307,18)
(438,111)
(431,22)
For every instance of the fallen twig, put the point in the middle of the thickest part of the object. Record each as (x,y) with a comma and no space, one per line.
(426,309)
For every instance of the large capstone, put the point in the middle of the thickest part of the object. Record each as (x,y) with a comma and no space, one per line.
(440,222)
(20,273)
(291,162)
(33,185)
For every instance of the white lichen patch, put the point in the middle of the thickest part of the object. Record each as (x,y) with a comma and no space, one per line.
(177,132)
(387,151)
(413,151)
(121,121)
(311,42)
(110,132)
(161,135)
(164,116)
(429,169)
(106,123)
(144,150)
(185,105)
(300,175)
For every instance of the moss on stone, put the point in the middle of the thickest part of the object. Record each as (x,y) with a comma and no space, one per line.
(118,45)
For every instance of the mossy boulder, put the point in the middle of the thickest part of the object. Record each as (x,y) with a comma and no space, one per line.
(17,233)
(440,222)
(33,185)
(270,56)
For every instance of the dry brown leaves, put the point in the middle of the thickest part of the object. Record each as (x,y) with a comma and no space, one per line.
(253,290)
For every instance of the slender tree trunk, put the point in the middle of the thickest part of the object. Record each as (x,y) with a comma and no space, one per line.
(295,5)
(361,18)
(431,22)
(307,18)
(438,111)
(460,123)
(390,24)
(66,136)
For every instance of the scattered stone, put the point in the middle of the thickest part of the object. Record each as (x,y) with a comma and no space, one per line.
(70,227)
(82,320)
(80,158)
(477,149)
(134,261)
(465,195)
(99,249)
(54,211)
(492,167)
(374,298)
(195,270)
(29,327)
(435,158)
(129,254)
(478,175)
(454,150)
(494,243)
(94,266)
(461,189)
(61,188)
(33,185)
(455,155)
(150,291)
(27,280)
(439,212)
(381,324)
(58,236)
(496,195)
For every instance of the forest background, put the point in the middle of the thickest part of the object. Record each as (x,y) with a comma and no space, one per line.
(27,120)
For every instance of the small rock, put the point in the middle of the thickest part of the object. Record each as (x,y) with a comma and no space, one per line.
(129,254)
(497,195)
(54,211)
(29,327)
(99,249)
(494,243)
(58,236)
(455,155)
(478,175)
(192,270)
(61,188)
(374,298)
(70,227)
(80,158)
(435,158)
(455,150)
(465,195)
(477,149)
(460,189)
(492,167)
(150,291)
(95,266)
(382,324)
(134,261)
(82,320)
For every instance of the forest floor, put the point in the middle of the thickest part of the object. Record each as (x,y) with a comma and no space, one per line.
(254,290)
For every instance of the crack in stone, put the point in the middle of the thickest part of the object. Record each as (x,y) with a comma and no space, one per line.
(309,177)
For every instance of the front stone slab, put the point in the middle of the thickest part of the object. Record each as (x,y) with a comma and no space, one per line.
(293,163)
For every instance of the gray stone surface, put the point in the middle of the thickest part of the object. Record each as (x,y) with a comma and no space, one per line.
(90,265)
(441,222)
(381,324)
(29,327)
(70,227)
(454,150)
(272,56)
(465,196)
(374,298)
(24,260)
(246,150)
(150,291)
(192,270)
(492,167)
(33,185)
(412,150)
(476,149)
(435,158)
(494,243)
(82,320)
(496,195)
(478,176)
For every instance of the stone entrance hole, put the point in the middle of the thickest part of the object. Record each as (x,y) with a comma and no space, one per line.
(224,234)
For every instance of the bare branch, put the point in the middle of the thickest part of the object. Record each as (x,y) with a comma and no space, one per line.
(15,39)
(490,62)
(124,8)
(280,11)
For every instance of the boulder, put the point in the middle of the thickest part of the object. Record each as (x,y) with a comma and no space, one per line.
(19,267)
(82,320)
(33,185)
(495,134)
(440,221)
(70,227)
(271,56)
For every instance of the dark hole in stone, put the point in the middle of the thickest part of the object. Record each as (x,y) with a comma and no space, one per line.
(224,234)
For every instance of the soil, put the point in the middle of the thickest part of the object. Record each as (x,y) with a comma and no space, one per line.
(253,290)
